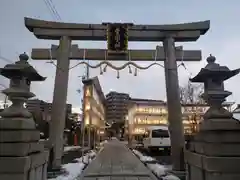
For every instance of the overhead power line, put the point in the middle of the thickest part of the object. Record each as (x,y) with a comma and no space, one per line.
(52,9)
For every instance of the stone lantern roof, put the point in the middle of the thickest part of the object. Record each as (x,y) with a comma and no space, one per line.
(214,71)
(21,68)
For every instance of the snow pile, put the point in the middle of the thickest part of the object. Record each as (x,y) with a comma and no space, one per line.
(71,148)
(73,170)
(159,170)
(170,177)
(91,154)
(143,158)
(103,142)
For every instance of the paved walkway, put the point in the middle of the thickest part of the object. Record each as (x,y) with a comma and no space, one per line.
(116,162)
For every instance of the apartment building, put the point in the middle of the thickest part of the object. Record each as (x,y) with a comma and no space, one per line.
(143,113)
(93,104)
(116,106)
(43,109)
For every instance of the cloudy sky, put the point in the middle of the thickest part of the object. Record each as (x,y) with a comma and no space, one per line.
(222,40)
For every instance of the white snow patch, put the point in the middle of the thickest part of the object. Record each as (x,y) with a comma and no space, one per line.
(103,142)
(170,177)
(71,148)
(75,169)
(158,169)
(91,154)
(142,157)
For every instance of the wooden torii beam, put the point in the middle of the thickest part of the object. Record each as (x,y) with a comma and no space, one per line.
(168,34)
(101,54)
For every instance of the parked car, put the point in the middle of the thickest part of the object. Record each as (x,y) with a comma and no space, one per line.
(157,138)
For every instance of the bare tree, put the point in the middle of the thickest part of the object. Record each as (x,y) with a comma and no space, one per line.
(191,94)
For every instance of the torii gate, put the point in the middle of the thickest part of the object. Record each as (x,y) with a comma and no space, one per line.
(168,34)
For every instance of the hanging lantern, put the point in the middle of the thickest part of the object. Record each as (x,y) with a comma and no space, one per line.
(135,72)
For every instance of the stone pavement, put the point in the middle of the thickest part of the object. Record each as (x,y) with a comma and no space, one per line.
(116,162)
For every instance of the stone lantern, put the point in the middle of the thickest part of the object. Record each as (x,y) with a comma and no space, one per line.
(214,152)
(22,156)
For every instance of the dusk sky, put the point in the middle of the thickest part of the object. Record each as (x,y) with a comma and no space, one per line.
(222,40)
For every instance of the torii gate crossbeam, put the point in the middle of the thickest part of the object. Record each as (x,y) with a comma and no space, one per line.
(100,54)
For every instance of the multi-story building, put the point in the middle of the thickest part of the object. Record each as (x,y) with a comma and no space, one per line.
(41,112)
(35,104)
(192,115)
(44,108)
(143,113)
(116,106)
(68,108)
(94,105)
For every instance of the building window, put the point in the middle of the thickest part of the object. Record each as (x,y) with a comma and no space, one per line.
(88,93)
(87,105)
(87,119)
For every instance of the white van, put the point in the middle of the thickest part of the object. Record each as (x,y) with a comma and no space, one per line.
(157,138)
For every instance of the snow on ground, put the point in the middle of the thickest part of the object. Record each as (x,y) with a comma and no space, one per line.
(71,148)
(142,157)
(73,170)
(103,142)
(158,169)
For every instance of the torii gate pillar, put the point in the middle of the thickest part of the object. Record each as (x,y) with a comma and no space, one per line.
(173,104)
(59,101)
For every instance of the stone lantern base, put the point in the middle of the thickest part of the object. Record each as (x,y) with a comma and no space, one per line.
(22,156)
(214,152)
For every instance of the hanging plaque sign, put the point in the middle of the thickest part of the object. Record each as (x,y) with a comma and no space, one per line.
(117,38)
